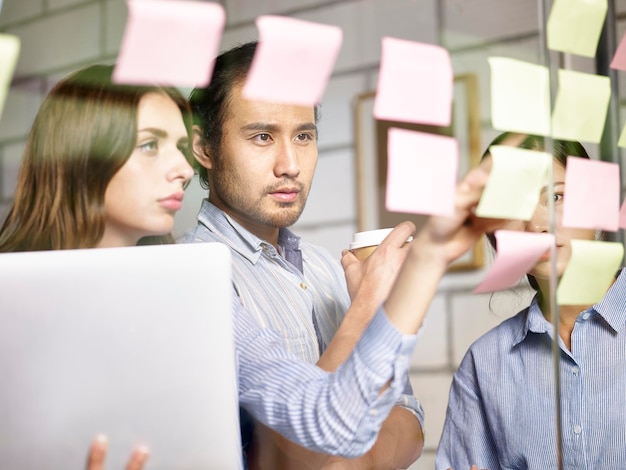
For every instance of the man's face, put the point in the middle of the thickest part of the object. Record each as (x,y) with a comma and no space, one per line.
(267,159)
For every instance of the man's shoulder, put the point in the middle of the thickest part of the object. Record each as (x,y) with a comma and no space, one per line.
(198,234)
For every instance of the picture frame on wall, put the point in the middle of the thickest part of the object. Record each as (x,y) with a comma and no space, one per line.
(371,159)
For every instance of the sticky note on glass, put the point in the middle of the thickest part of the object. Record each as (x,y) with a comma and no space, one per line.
(622,138)
(574,26)
(415,83)
(520,96)
(619,59)
(293,61)
(422,171)
(170,42)
(580,107)
(590,272)
(9,52)
(515,182)
(592,194)
(622,215)
(517,253)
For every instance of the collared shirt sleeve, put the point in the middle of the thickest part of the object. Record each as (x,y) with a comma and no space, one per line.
(336,413)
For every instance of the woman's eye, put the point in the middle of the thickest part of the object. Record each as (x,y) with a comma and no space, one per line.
(149,147)
(558,197)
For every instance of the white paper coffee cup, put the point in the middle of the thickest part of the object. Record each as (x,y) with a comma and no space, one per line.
(364,243)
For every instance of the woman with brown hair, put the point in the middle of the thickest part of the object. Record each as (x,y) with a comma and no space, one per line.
(104,165)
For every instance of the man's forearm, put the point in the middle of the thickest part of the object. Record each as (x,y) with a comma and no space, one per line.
(399,444)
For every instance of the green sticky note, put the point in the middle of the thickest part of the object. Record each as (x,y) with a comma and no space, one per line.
(515,182)
(9,52)
(574,26)
(580,107)
(520,96)
(590,272)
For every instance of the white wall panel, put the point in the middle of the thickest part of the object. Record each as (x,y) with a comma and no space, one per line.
(19,111)
(19,10)
(11,160)
(332,196)
(432,347)
(44,48)
(336,124)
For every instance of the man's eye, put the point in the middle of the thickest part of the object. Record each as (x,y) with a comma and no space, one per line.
(263,137)
(304,137)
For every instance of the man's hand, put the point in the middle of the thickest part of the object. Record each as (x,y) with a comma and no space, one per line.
(378,272)
(98,451)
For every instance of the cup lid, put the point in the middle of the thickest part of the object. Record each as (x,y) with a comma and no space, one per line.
(369,238)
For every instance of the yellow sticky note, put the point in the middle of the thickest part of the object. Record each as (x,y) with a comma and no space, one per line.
(9,52)
(590,272)
(520,96)
(580,107)
(574,26)
(515,182)
(622,138)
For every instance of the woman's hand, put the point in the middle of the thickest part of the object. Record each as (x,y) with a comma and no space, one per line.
(98,451)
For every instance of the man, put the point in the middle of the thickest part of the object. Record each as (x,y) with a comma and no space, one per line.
(258,159)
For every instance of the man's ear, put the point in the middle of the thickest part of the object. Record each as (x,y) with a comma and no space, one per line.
(200,149)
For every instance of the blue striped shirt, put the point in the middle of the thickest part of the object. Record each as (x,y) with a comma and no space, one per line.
(303,305)
(336,413)
(501,409)
(273,290)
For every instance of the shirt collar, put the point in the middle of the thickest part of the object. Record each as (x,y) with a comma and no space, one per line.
(534,322)
(240,239)
(613,304)
(610,308)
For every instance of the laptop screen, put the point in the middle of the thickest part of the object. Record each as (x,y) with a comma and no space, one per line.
(135,343)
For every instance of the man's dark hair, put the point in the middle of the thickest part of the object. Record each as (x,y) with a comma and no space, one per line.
(210,104)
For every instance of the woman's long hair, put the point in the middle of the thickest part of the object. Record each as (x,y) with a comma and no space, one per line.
(85,130)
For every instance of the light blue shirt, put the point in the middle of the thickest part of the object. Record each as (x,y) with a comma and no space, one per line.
(501,409)
(276,292)
(336,413)
(304,304)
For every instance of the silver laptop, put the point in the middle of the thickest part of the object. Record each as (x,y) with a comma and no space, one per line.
(135,343)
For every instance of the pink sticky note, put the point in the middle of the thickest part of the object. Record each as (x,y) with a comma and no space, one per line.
(592,194)
(170,42)
(622,216)
(293,61)
(619,59)
(415,83)
(422,171)
(517,253)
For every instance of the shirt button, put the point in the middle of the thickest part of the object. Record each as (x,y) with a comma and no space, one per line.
(303,286)
(576,370)
(373,412)
(577,429)
(586,316)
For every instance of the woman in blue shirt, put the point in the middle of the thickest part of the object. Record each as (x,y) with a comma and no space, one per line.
(501,410)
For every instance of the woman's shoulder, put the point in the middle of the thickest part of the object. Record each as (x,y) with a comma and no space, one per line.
(503,335)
